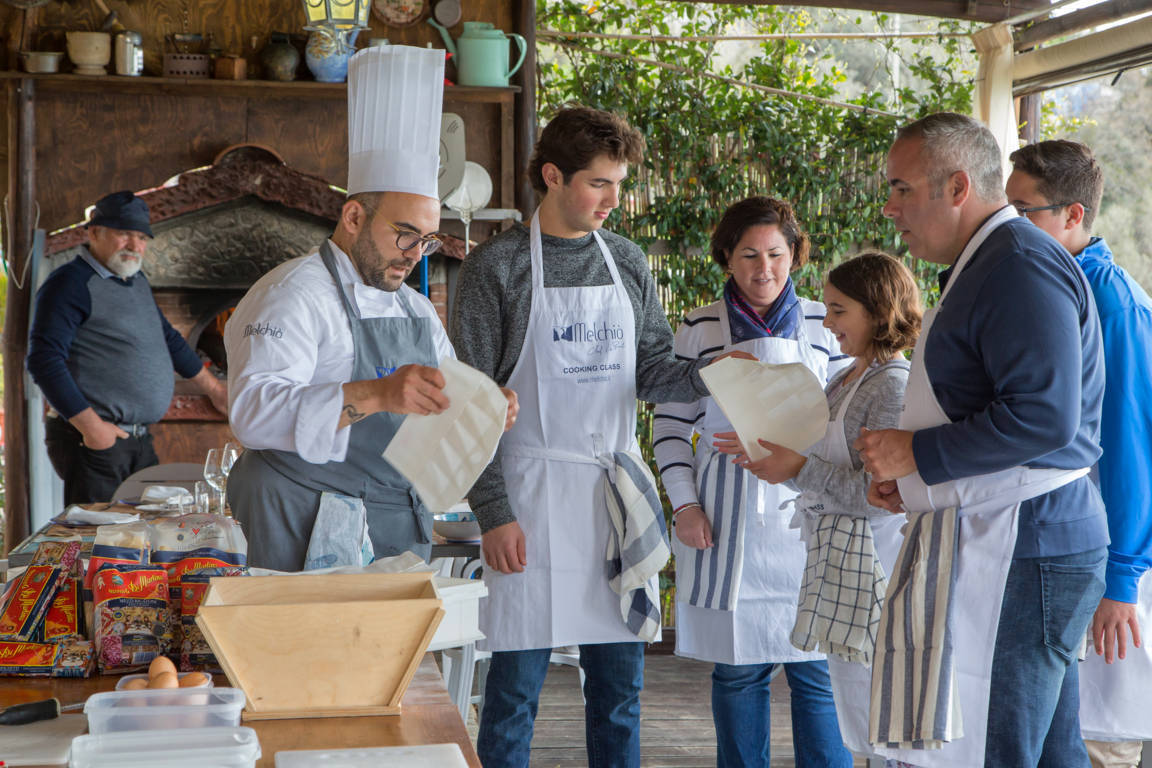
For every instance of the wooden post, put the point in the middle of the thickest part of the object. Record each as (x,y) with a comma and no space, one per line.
(22,186)
(526,110)
(1030,117)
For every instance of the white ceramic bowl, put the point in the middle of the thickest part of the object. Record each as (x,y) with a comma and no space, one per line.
(89,51)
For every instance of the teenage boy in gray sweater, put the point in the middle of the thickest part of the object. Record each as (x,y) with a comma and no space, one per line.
(567,314)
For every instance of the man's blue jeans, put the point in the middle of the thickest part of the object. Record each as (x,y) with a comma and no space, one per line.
(740,709)
(1034,712)
(613,678)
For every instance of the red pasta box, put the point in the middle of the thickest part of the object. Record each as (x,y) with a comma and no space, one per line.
(27,601)
(28,658)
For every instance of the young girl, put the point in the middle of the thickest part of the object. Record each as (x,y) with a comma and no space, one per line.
(874,311)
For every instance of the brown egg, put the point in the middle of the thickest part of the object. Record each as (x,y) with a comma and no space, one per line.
(136,684)
(161,664)
(164,680)
(193,680)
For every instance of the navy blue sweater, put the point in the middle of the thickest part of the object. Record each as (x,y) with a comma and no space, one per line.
(116,354)
(1016,362)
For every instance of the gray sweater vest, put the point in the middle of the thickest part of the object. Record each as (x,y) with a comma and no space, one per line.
(119,357)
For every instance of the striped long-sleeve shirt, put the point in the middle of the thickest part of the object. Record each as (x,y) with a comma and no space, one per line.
(700,336)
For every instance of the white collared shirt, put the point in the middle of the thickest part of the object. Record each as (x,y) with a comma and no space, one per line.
(290,353)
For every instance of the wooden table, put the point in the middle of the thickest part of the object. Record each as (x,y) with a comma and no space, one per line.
(428,716)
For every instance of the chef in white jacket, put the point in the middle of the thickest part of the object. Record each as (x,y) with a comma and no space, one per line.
(328,352)
(738,563)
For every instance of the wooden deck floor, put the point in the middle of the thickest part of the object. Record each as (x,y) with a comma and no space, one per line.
(676,730)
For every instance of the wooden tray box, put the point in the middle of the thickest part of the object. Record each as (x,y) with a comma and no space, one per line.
(330,645)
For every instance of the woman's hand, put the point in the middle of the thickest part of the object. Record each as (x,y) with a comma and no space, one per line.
(781,464)
(729,443)
(693,528)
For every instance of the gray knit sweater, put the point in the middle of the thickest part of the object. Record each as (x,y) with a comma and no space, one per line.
(877,405)
(493,300)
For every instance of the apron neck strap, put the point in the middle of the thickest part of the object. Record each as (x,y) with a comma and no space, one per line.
(1002,216)
(536,245)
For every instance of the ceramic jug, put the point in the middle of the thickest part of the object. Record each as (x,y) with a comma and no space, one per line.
(481,53)
(280,58)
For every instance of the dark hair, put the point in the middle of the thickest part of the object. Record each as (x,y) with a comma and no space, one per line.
(578,135)
(889,294)
(1065,172)
(952,142)
(754,211)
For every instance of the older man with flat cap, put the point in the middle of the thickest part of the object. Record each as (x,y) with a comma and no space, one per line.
(103,354)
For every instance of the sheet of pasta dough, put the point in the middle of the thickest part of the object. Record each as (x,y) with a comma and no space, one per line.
(442,454)
(782,404)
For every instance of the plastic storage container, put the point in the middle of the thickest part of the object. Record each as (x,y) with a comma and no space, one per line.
(163,709)
(183,748)
(424,756)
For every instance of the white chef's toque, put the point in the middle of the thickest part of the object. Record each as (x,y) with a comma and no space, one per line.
(395,98)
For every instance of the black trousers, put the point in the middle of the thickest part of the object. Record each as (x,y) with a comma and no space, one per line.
(90,475)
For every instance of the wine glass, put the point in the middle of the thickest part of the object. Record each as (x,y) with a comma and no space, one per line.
(228,458)
(214,474)
(227,461)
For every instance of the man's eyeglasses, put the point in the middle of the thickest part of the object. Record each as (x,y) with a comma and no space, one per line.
(406,240)
(1035,208)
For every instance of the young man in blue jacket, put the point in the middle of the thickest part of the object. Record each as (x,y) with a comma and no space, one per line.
(1058,186)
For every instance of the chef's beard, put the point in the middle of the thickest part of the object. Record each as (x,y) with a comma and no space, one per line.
(125,263)
(372,265)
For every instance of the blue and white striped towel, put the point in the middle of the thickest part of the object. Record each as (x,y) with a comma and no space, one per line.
(639,547)
(710,578)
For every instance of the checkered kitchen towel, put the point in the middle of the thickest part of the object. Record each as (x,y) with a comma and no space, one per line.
(638,548)
(842,590)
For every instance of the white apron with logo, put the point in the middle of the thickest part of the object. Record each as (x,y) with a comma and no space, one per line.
(988,506)
(1115,698)
(851,682)
(576,380)
(757,631)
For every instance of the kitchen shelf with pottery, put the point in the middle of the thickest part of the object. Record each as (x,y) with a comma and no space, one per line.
(250,88)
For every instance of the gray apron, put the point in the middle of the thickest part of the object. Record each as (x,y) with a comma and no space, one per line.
(275,494)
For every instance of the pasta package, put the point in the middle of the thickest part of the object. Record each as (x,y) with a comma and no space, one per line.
(77,658)
(33,659)
(132,620)
(27,600)
(121,544)
(195,653)
(62,621)
(190,544)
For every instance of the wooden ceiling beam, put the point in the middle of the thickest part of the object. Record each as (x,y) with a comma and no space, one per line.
(1041,31)
(972,10)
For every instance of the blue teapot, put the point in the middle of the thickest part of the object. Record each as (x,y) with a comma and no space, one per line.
(481,53)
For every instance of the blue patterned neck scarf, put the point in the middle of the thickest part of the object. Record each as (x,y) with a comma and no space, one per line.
(781,320)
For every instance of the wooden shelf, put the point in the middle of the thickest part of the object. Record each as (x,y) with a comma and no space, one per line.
(268,89)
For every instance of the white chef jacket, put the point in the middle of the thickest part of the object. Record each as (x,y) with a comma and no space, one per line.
(290,353)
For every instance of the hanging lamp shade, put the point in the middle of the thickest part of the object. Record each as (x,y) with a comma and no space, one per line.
(342,15)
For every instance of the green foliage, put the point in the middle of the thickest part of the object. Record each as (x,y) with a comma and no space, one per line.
(711,143)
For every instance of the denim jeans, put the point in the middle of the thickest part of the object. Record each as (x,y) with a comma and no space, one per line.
(1034,712)
(740,709)
(613,678)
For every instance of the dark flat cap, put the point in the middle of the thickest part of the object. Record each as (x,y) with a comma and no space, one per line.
(121,210)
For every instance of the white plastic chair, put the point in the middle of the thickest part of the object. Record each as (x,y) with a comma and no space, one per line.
(182,474)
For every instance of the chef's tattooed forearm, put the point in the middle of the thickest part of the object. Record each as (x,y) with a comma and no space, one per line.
(353,414)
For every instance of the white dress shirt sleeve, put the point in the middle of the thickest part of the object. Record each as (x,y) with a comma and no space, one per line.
(279,396)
